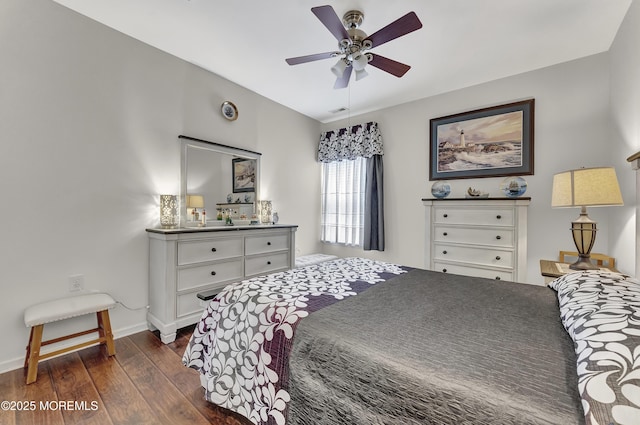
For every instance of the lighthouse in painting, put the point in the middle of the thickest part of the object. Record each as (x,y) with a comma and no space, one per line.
(462,142)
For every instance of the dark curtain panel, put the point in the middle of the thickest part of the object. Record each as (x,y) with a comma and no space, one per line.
(374,206)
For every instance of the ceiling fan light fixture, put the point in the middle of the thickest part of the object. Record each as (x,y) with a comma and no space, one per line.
(360,74)
(339,67)
(360,61)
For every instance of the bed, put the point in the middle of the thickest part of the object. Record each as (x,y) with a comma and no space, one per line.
(357,341)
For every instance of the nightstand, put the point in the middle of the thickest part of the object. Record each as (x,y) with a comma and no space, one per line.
(554,269)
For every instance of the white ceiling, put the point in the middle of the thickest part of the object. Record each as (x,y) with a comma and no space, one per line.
(461,43)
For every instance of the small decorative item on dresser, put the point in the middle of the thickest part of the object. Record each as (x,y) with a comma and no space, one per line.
(440,189)
(169,211)
(512,187)
(475,194)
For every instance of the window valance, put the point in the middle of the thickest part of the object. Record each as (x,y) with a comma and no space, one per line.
(362,140)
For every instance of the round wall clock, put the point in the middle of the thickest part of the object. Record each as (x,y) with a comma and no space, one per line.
(229,111)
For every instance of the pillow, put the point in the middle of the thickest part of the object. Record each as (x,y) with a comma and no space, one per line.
(601,312)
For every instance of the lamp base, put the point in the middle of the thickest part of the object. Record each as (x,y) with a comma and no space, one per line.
(583,263)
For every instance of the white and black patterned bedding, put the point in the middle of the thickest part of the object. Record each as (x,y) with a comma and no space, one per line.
(601,313)
(242,343)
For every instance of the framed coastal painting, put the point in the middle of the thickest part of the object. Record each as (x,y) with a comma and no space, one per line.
(244,175)
(489,142)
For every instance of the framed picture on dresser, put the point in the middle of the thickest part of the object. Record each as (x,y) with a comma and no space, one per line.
(489,142)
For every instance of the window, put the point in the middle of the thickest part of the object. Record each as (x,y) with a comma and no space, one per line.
(343,201)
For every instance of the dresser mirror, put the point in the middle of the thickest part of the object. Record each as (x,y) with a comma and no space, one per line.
(221,175)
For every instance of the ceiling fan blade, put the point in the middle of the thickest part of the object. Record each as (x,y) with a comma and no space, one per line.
(328,17)
(343,81)
(402,26)
(389,65)
(311,58)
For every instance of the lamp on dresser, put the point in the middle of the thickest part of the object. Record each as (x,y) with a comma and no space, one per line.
(169,218)
(585,187)
(194,202)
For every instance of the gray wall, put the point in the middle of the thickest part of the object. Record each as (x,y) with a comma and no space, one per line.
(90,120)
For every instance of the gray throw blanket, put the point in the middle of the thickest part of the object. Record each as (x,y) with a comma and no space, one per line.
(432,348)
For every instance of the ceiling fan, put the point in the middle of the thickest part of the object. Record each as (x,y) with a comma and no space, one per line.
(353,44)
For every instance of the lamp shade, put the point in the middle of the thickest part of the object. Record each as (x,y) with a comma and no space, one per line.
(339,68)
(195,201)
(588,187)
(360,74)
(359,61)
(169,217)
(265,211)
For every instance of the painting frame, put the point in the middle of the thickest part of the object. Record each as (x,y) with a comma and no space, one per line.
(243,175)
(492,149)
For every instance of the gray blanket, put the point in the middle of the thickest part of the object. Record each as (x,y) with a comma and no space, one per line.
(430,348)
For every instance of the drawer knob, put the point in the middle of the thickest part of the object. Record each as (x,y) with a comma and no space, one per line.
(498,237)
(268,243)
(269,262)
(497,277)
(498,216)
(444,234)
(213,273)
(444,270)
(498,257)
(444,252)
(213,250)
(445,215)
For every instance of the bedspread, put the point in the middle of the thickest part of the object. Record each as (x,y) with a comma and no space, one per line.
(241,345)
(435,348)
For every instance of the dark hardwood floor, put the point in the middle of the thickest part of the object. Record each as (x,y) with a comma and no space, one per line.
(144,383)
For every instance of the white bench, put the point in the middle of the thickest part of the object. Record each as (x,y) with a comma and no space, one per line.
(36,316)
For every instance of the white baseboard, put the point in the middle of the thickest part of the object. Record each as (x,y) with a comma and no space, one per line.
(18,363)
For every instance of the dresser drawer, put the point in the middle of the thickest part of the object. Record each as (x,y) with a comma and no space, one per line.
(481,216)
(266,243)
(209,250)
(485,256)
(198,276)
(263,264)
(473,271)
(475,236)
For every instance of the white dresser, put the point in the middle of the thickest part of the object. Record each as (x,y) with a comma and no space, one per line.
(184,262)
(477,237)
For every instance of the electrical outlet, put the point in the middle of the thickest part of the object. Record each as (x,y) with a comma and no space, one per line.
(76,283)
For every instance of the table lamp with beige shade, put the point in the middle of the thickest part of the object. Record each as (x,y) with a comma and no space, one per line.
(585,187)
(193,203)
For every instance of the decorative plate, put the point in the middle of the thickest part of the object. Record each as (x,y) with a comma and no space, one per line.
(512,187)
(229,111)
(440,189)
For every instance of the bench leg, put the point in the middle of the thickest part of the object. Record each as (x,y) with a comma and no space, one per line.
(33,353)
(104,329)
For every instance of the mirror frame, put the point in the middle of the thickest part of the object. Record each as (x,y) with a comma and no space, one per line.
(188,143)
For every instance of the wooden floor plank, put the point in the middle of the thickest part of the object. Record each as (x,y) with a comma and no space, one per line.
(185,379)
(121,397)
(9,384)
(144,383)
(161,394)
(40,393)
(73,384)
